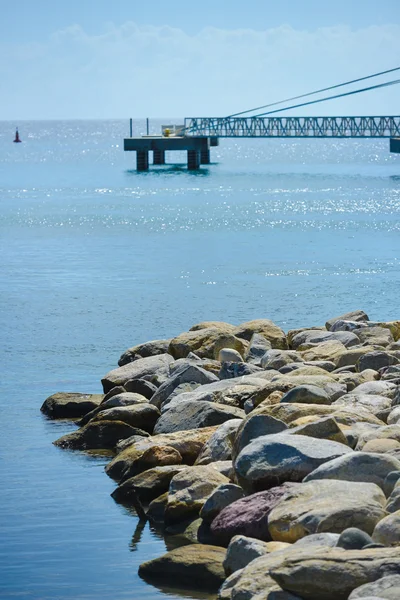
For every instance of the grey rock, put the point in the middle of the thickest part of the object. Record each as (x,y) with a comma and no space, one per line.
(143,351)
(375,360)
(319,539)
(253,427)
(230,370)
(70,405)
(118,389)
(258,346)
(353,538)
(380,336)
(119,400)
(386,588)
(343,325)
(354,315)
(276,359)
(241,551)
(219,445)
(141,386)
(390,482)
(347,338)
(194,415)
(310,394)
(186,374)
(387,531)
(220,498)
(154,366)
(229,355)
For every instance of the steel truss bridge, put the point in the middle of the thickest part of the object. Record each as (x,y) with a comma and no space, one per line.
(293,127)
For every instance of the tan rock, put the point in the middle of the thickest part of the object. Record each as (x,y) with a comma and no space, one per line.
(206,343)
(387,531)
(266,328)
(331,350)
(381,446)
(351,356)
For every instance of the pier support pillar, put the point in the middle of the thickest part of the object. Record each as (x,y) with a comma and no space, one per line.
(142,160)
(205,157)
(158,157)
(395,145)
(193,159)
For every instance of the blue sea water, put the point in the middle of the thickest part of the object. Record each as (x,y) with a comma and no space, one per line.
(96,258)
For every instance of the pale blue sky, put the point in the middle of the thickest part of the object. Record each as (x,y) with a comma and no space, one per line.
(103,59)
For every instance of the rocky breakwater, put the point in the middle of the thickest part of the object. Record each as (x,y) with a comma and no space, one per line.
(271,461)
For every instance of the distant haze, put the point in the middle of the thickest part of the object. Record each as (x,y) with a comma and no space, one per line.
(170,59)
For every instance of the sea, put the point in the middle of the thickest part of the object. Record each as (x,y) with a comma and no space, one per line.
(96,258)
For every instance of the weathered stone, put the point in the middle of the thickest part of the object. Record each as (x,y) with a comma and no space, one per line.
(376,360)
(186,374)
(373,403)
(276,359)
(194,566)
(343,325)
(229,355)
(156,509)
(149,366)
(214,324)
(206,342)
(388,432)
(319,539)
(352,355)
(148,484)
(189,490)
(309,394)
(353,539)
(343,571)
(330,350)
(258,346)
(380,336)
(357,466)
(390,482)
(325,428)
(188,443)
(393,502)
(381,446)
(155,456)
(386,588)
(253,427)
(387,531)
(264,327)
(143,415)
(145,350)
(249,516)
(118,389)
(310,509)
(307,337)
(70,405)
(119,400)
(273,459)
(141,386)
(232,370)
(195,415)
(394,416)
(241,551)
(219,445)
(102,435)
(359,316)
(219,499)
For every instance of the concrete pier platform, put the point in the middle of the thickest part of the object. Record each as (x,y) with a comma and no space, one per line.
(197,148)
(395,145)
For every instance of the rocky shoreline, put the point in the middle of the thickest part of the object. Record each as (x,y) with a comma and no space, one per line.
(272,457)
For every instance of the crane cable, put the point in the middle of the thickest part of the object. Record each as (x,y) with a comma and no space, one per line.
(332,87)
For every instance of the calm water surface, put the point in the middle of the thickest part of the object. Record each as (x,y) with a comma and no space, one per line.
(97,258)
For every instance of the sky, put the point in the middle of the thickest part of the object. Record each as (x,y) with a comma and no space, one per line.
(128,58)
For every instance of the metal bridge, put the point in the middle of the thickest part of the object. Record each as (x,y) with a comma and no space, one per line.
(293,127)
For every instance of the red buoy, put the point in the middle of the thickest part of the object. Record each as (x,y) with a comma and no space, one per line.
(17,140)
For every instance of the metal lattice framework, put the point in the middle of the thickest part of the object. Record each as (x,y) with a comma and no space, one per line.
(295,127)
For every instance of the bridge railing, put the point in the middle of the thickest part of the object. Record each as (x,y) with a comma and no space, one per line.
(295,127)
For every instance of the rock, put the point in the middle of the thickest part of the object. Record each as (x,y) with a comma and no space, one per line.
(145,350)
(390,481)
(195,566)
(276,359)
(388,432)
(380,336)
(375,360)
(353,539)
(156,509)
(153,366)
(148,484)
(102,435)
(264,327)
(319,539)
(383,388)
(206,342)
(394,416)
(393,502)
(359,316)
(249,516)
(155,456)
(188,443)
(229,355)
(70,405)
(141,386)
(195,415)
(343,571)
(241,551)
(310,509)
(347,338)
(325,428)
(119,400)
(387,531)
(258,346)
(189,490)
(219,499)
(330,350)
(352,355)
(373,403)
(309,394)
(381,446)
(219,445)
(357,466)
(231,370)
(255,426)
(186,374)
(215,324)
(347,325)
(273,459)
(118,389)
(386,588)
(143,415)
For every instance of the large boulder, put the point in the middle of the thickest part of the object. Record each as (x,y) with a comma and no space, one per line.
(147,485)
(380,336)
(343,570)
(254,426)
(358,316)
(142,415)
(307,337)
(357,466)
(387,531)
(188,491)
(194,566)
(391,432)
(70,405)
(221,497)
(195,415)
(273,459)
(101,435)
(242,550)
(258,346)
(386,588)
(149,367)
(310,508)
(188,373)
(219,445)
(309,394)
(206,343)
(249,516)
(114,401)
(268,329)
(374,403)
(152,348)
(188,443)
